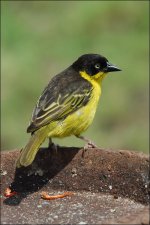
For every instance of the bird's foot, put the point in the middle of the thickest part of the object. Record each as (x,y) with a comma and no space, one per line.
(90,144)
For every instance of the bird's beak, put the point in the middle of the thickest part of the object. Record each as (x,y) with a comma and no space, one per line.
(111,68)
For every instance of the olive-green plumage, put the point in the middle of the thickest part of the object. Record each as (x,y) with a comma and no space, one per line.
(68,104)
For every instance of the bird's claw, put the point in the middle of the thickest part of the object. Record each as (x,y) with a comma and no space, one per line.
(90,144)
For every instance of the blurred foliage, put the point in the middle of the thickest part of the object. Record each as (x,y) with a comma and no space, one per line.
(41,38)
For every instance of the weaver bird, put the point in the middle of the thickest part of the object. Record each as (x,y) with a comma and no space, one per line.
(68,104)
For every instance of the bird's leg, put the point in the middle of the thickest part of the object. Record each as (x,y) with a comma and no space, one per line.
(51,145)
(89,143)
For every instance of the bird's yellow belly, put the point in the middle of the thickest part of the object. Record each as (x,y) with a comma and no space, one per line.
(77,122)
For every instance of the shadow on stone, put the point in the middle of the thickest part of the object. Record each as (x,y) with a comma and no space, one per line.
(47,164)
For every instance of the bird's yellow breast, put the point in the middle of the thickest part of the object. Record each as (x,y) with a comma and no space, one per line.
(79,121)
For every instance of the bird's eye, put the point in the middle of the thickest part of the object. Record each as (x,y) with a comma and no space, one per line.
(97,66)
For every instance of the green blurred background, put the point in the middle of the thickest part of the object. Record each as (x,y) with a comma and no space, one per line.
(41,38)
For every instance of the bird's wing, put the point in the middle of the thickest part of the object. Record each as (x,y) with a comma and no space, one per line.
(55,105)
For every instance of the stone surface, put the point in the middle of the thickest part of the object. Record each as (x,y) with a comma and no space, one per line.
(109,187)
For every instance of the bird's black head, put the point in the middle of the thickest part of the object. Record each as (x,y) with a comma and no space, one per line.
(93,64)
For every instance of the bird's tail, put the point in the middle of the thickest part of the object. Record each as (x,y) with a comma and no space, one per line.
(29,152)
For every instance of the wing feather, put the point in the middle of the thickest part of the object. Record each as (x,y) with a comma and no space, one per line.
(56,104)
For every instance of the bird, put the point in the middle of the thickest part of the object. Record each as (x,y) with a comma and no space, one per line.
(67,105)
